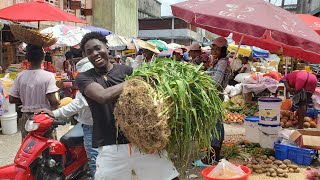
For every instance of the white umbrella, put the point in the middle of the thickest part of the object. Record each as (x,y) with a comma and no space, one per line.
(66,35)
(174,46)
(116,42)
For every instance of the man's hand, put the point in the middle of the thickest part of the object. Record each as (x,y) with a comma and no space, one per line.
(44,111)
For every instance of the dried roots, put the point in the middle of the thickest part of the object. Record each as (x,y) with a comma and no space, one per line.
(141,115)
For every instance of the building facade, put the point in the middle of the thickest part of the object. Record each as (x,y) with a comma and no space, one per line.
(304,7)
(309,7)
(119,16)
(291,8)
(171,30)
(149,9)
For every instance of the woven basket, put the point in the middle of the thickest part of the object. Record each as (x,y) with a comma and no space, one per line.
(31,36)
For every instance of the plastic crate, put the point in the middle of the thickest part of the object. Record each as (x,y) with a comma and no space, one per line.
(302,156)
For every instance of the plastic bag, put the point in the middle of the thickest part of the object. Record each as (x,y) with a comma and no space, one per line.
(240,77)
(226,98)
(275,75)
(228,89)
(6,84)
(284,136)
(226,169)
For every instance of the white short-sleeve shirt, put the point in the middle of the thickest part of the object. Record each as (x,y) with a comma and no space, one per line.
(32,86)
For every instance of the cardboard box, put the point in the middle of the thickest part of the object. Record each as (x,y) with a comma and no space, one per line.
(306,138)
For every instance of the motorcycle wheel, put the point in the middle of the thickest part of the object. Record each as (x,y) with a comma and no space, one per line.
(84,174)
(42,175)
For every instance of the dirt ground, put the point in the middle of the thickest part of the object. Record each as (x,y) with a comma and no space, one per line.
(10,144)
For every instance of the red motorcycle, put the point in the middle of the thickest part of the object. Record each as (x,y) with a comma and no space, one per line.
(42,158)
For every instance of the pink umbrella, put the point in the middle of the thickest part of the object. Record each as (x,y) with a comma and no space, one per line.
(312,21)
(253,22)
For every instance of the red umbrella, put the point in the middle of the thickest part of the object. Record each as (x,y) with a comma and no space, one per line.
(253,22)
(36,11)
(312,21)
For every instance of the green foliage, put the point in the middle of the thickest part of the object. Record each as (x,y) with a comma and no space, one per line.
(195,104)
(237,105)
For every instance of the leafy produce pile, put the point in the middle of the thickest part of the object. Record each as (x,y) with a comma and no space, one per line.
(234,118)
(290,119)
(243,150)
(272,167)
(237,105)
(180,94)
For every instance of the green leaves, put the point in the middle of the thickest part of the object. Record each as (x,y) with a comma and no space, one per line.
(196,106)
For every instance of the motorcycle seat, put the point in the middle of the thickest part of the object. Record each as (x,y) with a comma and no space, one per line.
(73,137)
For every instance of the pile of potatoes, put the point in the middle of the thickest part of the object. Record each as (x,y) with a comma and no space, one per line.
(272,167)
(234,117)
(308,123)
(289,119)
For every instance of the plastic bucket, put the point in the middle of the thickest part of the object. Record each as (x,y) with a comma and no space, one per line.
(207,170)
(9,123)
(8,108)
(252,129)
(268,135)
(269,110)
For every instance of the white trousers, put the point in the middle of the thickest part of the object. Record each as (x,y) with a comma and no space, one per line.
(116,162)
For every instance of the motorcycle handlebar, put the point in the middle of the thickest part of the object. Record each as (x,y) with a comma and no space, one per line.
(59,123)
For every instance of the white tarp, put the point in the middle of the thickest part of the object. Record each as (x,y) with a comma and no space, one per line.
(66,35)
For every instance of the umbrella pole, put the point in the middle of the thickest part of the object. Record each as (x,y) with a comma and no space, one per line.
(235,55)
(240,42)
(38,24)
(286,68)
(285,73)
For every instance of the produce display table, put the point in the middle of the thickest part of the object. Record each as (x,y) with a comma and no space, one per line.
(249,89)
(257,88)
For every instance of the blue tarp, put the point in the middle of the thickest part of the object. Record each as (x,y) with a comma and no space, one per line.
(259,53)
